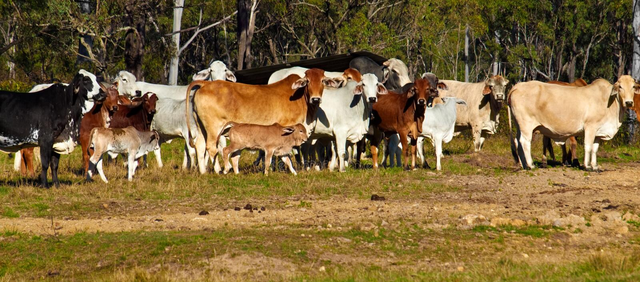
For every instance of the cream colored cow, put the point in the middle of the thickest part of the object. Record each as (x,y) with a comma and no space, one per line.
(560,112)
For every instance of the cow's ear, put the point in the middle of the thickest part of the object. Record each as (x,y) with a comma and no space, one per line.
(412,92)
(287,130)
(230,76)
(505,82)
(442,86)
(636,89)
(300,83)
(381,89)
(334,82)
(616,89)
(385,73)
(486,90)
(359,89)
(202,75)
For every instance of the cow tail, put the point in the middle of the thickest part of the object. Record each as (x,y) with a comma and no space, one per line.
(91,145)
(514,151)
(193,85)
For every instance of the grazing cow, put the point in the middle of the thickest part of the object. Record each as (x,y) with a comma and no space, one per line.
(275,140)
(292,100)
(344,115)
(570,157)
(116,141)
(39,118)
(597,110)
(168,121)
(99,116)
(401,113)
(484,101)
(139,114)
(439,123)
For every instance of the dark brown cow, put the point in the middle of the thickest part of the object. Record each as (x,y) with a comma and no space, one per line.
(274,139)
(99,116)
(568,157)
(139,114)
(401,113)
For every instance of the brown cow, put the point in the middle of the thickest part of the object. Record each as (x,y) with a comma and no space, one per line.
(292,100)
(99,116)
(139,114)
(120,140)
(402,113)
(275,140)
(568,157)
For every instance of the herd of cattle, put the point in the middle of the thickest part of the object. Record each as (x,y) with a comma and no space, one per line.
(323,115)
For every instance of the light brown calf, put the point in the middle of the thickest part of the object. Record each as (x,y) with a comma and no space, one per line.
(115,141)
(274,139)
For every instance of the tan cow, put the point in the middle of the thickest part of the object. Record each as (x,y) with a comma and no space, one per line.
(484,101)
(292,100)
(568,157)
(597,110)
(275,140)
(116,141)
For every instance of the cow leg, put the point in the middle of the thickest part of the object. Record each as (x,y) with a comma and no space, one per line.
(405,150)
(437,143)
(386,152)
(132,164)
(158,154)
(413,153)
(101,171)
(27,161)
(525,145)
(340,145)
(287,160)
(594,151)
(589,139)
(55,161)
(375,141)
(17,162)
(267,161)
(420,150)
(191,153)
(360,147)
(45,158)
(574,152)
(201,150)
(547,146)
(477,134)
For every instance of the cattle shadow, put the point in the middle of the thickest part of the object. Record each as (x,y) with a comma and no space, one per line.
(33,182)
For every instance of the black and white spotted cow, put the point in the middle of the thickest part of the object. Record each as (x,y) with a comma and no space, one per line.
(39,118)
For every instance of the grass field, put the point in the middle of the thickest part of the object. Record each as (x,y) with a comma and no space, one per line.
(480,219)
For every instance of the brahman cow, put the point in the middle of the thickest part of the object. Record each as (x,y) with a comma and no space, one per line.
(597,110)
(119,141)
(290,101)
(39,118)
(275,140)
(344,115)
(401,113)
(570,157)
(391,78)
(439,123)
(484,101)
(168,121)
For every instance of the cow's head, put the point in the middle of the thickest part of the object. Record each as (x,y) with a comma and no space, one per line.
(626,87)
(126,83)
(434,84)
(85,85)
(314,83)
(110,100)
(352,74)
(400,69)
(149,103)
(370,87)
(420,92)
(216,71)
(298,132)
(496,86)
(154,140)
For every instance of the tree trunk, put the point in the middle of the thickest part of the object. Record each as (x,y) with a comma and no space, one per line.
(466,54)
(85,8)
(175,59)
(136,18)
(246,27)
(635,68)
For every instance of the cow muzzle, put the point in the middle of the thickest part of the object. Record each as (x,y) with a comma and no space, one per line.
(316,100)
(500,97)
(629,104)
(138,93)
(114,109)
(152,112)
(422,102)
(373,99)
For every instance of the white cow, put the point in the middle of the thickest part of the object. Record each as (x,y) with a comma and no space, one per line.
(439,123)
(484,101)
(344,115)
(398,67)
(560,112)
(169,120)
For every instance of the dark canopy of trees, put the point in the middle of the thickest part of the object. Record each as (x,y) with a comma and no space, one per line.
(40,40)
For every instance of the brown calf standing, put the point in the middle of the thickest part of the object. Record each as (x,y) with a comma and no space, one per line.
(402,113)
(568,157)
(118,141)
(99,116)
(274,139)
